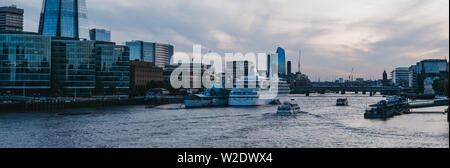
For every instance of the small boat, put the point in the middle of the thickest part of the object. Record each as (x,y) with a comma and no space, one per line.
(288,108)
(342,102)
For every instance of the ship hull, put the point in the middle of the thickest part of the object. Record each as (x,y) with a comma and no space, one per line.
(213,102)
(250,101)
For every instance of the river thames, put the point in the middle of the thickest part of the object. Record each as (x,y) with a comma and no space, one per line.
(323,125)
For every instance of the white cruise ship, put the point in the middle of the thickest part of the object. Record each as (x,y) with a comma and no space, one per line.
(256,96)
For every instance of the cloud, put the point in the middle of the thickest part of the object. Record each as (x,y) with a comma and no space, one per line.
(368,35)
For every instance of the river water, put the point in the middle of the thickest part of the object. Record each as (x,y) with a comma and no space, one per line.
(323,125)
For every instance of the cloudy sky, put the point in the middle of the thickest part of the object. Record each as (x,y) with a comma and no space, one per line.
(334,36)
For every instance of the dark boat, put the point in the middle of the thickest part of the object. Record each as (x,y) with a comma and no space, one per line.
(385,109)
(382,111)
(342,102)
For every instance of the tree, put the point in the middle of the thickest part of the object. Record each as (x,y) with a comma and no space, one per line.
(440,86)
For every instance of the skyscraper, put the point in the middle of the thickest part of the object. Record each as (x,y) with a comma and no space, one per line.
(385,78)
(11,19)
(413,76)
(289,67)
(64,18)
(281,60)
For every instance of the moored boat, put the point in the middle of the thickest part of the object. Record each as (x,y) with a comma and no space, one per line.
(209,98)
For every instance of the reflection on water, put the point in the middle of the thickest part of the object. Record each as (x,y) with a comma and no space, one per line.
(321,125)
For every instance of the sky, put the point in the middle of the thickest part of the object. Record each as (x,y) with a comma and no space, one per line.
(335,37)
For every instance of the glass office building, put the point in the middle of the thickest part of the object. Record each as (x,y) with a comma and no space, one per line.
(143,51)
(100,35)
(430,70)
(73,66)
(64,18)
(400,76)
(113,67)
(25,63)
(281,60)
(163,54)
(160,54)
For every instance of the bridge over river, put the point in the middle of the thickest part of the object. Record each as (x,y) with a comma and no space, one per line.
(357,89)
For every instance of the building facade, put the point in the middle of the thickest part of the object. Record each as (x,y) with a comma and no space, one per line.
(112,68)
(160,54)
(272,63)
(385,80)
(64,18)
(163,54)
(25,61)
(73,66)
(400,76)
(281,61)
(11,19)
(143,72)
(100,35)
(428,71)
(142,51)
(289,67)
(413,76)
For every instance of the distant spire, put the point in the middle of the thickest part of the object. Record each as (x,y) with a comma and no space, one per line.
(299,60)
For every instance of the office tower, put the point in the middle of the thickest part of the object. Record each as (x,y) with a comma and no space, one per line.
(100,35)
(64,18)
(163,54)
(160,54)
(73,66)
(413,76)
(25,63)
(140,50)
(281,60)
(289,67)
(401,76)
(272,63)
(11,19)
(112,68)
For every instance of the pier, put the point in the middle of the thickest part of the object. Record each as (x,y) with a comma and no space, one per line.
(28,104)
(389,110)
